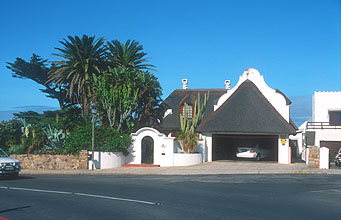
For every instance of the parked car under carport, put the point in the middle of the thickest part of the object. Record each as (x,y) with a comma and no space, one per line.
(225,146)
(254,152)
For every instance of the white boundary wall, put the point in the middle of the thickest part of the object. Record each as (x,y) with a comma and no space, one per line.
(183,159)
(107,160)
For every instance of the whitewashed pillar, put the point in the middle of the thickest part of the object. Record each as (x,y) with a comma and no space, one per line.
(209,145)
(284,151)
(324,158)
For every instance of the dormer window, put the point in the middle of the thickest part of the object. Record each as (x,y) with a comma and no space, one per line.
(189,113)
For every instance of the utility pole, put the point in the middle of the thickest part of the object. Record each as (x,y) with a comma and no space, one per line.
(93,141)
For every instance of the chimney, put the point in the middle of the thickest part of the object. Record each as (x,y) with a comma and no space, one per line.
(184,83)
(227,84)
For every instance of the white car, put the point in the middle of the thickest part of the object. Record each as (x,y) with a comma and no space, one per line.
(253,152)
(337,158)
(9,166)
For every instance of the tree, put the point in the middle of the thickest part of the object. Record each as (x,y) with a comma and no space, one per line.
(149,111)
(10,133)
(116,95)
(129,55)
(83,58)
(37,70)
(129,94)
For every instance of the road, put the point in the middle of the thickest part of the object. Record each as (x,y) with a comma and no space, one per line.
(171,197)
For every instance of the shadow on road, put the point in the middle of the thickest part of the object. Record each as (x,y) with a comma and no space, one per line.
(14,209)
(9,178)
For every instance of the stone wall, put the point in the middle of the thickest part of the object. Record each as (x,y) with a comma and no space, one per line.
(314,157)
(53,162)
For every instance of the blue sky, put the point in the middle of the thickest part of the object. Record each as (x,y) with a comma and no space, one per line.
(294,44)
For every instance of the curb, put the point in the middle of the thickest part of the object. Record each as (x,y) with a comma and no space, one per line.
(167,173)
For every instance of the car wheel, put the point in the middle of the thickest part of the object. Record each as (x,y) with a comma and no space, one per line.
(258,157)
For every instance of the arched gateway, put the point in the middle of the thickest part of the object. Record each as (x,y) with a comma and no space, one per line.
(147,150)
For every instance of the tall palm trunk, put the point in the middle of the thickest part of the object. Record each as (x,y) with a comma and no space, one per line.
(85,104)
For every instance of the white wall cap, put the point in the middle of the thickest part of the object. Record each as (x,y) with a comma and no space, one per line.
(148,129)
(334,109)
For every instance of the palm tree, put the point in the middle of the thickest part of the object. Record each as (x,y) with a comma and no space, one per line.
(83,58)
(148,110)
(129,55)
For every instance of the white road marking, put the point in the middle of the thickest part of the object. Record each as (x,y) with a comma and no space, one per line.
(40,190)
(328,191)
(81,194)
(115,198)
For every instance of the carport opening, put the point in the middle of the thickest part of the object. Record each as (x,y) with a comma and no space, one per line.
(225,146)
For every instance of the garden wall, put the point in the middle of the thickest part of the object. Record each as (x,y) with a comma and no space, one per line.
(107,160)
(52,161)
(183,159)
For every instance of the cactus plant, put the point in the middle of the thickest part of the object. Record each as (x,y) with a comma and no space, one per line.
(25,130)
(187,134)
(55,137)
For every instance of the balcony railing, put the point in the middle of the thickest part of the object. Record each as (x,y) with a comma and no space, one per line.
(322,125)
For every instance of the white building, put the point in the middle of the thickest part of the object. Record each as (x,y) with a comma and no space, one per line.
(325,128)
(250,113)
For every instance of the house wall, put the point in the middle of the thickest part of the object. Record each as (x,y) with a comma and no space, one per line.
(299,137)
(276,99)
(322,102)
(327,135)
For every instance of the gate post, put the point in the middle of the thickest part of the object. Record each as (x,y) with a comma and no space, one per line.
(324,158)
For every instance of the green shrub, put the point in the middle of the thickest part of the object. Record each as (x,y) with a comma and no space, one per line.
(106,139)
(17,149)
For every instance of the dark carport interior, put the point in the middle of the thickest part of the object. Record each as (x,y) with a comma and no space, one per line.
(224,146)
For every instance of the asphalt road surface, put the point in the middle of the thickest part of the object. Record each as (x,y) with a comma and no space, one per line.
(171,197)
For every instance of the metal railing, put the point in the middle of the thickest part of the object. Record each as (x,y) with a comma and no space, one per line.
(322,125)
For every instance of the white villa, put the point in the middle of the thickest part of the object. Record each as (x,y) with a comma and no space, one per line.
(250,113)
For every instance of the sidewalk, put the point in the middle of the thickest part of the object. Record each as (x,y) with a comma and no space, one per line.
(210,168)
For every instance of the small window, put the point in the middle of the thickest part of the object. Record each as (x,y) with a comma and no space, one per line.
(190,111)
(335,117)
